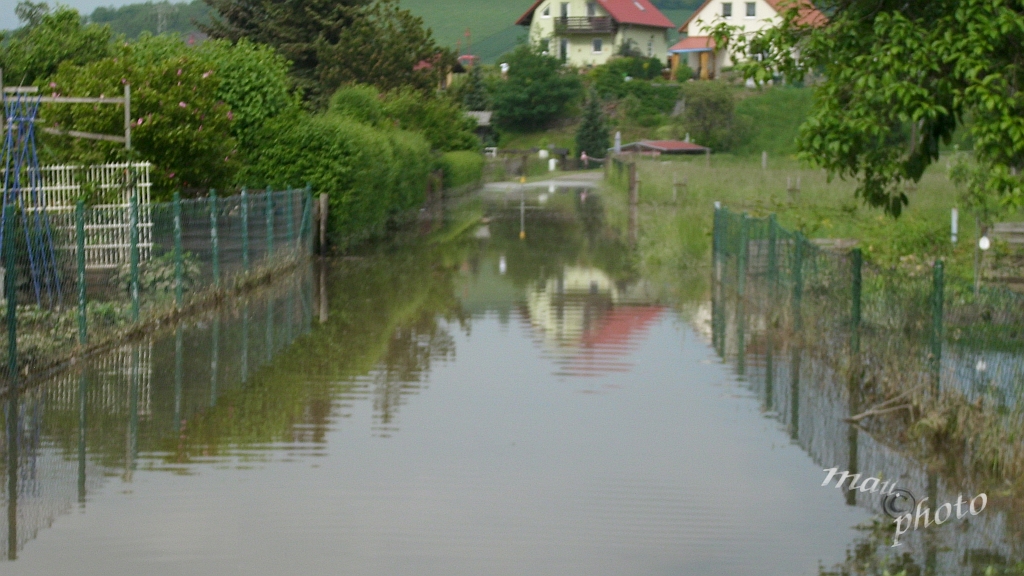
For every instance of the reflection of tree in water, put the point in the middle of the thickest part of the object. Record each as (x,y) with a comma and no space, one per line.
(409,356)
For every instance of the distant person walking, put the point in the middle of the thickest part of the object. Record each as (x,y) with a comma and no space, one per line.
(585,159)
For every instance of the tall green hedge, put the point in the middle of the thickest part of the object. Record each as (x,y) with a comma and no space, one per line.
(462,168)
(370,174)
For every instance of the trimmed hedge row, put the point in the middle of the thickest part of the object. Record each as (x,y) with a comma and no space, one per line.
(370,174)
(462,168)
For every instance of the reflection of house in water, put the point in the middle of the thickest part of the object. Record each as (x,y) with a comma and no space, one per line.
(588,320)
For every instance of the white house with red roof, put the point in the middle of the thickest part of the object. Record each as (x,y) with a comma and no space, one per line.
(698,50)
(587,33)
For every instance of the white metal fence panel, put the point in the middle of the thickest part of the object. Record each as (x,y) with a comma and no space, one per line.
(107,235)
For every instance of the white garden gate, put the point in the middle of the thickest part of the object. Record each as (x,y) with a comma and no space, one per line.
(107,233)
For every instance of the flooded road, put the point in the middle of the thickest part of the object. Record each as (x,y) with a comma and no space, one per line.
(459,401)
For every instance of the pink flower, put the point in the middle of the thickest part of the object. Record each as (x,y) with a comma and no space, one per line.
(179,71)
(230,115)
(182,105)
(200,128)
(207,73)
(171,175)
(124,80)
(53,84)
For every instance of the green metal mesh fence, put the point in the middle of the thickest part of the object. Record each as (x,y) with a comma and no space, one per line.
(74,279)
(904,331)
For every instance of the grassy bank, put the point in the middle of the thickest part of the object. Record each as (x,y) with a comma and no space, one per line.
(818,208)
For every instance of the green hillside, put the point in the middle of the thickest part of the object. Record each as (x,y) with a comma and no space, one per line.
(491,24)
(134,19)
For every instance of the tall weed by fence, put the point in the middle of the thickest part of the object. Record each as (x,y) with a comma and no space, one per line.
(915,344)
(79,279)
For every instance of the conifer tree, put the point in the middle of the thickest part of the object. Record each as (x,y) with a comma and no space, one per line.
(592,136)
(475,92)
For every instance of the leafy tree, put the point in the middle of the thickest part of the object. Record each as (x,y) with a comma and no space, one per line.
(474,93)
(179,121)
(710,116)
(610,79)
(335,42)
(538,90)
(438,118)
(592,136)
(898,79)
(49,38)
(253,82)
(292,26)
(384,46)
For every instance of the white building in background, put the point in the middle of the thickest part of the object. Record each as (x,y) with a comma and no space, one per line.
(587,33)
(698,50)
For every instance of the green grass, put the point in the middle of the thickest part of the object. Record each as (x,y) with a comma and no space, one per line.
(484,18)
(679,231)
(776,115)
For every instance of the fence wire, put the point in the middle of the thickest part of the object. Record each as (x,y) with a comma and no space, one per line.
(87,276)
(821,336)
(909,330)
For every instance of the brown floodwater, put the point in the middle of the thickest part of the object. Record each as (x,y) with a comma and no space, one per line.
(456,401)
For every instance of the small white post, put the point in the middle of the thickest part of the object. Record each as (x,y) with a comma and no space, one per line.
(954,224)
(764,160)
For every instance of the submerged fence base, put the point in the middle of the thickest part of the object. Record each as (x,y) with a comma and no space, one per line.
(922,340)
(202,250)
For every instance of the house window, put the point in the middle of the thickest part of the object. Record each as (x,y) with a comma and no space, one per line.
(727,10)
(565,10)
(751,9)
(650,48)
(546,12)
(591,9)
(598,45)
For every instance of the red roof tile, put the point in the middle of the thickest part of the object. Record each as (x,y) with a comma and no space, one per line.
(694,44)
(639,12)
(808,13)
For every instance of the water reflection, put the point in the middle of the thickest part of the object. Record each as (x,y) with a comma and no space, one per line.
(66,436)
(814,397)
(462,400)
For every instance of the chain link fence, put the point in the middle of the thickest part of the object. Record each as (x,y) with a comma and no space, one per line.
(910,340)
(81,278)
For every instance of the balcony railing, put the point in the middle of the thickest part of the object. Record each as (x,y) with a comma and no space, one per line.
(584,25)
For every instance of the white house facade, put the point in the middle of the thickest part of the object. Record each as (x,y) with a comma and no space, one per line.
(588,32)
(698,50)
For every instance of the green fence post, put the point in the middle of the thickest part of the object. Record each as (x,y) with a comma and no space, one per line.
(741,284)
(83,334)
(214,360)
(741,259)
(133,230)
(245,230)
(11,292)
(856,263)
(290,215)
(798,278)
(178,255)
(307,219)
(270,222)
(773,254)
(214,242)
(179,371)
(937,298)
